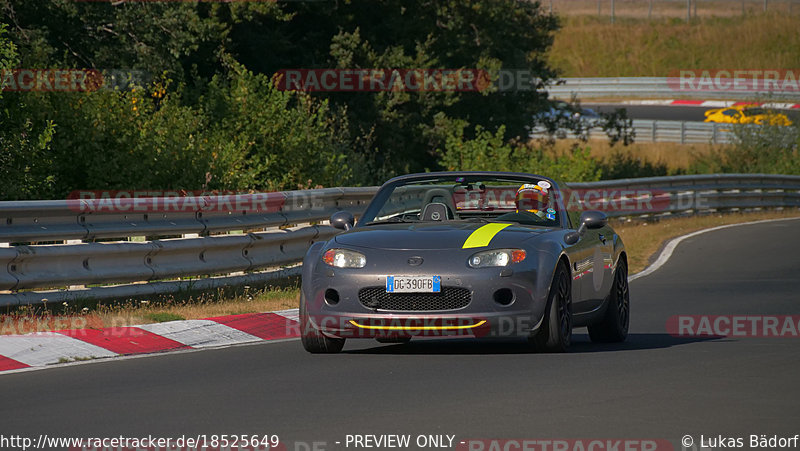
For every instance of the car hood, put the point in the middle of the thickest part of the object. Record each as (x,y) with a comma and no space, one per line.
(434,236)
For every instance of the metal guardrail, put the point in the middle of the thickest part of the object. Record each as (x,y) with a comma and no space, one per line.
(682,132)
(236,239)
(234,246)
(666,87)
(689,194)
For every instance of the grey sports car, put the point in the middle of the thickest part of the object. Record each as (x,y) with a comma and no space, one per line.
(483,254)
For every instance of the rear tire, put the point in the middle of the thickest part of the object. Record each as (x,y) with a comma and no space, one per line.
(614,326)
(313,340)
(555,333)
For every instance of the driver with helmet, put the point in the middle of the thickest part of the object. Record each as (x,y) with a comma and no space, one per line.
(532,202)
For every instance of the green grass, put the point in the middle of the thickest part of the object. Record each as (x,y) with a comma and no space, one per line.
(590,46)
(161,317)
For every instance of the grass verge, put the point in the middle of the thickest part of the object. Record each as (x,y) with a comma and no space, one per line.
(642,239)
(674,158)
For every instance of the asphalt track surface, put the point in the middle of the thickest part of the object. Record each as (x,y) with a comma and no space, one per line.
(654,112)
(653,386)
(664,113)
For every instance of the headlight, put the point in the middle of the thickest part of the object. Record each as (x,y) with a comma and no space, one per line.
(344,258)
(496,257)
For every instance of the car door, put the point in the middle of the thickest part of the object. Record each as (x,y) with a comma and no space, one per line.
(581,257)
(602,262)
(592,257)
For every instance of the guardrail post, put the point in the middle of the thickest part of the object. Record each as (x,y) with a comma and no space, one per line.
(655,124)
(612,11)
(683,132)
(75,287)
(714,133)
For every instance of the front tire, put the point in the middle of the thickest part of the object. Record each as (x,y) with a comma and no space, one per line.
(313,340)
(555,334)
(614,326)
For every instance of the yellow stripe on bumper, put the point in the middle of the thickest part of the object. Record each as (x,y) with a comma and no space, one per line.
(468,326)
(484,235)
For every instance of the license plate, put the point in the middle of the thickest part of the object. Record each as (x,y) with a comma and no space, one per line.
(413,284)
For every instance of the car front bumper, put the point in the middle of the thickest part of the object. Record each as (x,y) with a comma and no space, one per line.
(503,302)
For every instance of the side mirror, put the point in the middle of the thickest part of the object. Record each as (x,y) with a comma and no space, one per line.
(342,220)
(594,219)
(591,219)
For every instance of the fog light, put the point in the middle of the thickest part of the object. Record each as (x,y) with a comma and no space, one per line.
(331,296)
(504,296)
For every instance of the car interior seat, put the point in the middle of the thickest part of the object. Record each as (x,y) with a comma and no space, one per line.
(436,211)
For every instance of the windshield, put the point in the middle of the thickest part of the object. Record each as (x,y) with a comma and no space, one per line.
(528,201)
(753,111)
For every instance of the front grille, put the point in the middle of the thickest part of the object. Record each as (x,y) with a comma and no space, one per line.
(450,298)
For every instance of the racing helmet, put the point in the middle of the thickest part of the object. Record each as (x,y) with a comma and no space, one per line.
(532,198)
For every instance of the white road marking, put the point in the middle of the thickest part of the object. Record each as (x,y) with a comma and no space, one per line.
(200,333)
(45,348)
(292,314)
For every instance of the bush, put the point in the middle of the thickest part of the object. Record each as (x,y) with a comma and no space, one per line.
(755,149)
(488,152)
(620,165)
(24,145)
(242,135)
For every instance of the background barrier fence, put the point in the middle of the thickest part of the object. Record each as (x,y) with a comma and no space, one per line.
(671,87)
(658,9)
(682,132)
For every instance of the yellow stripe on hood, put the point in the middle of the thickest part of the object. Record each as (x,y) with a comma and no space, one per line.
(483,236)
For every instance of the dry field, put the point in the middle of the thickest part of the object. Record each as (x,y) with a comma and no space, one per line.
(591,46)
